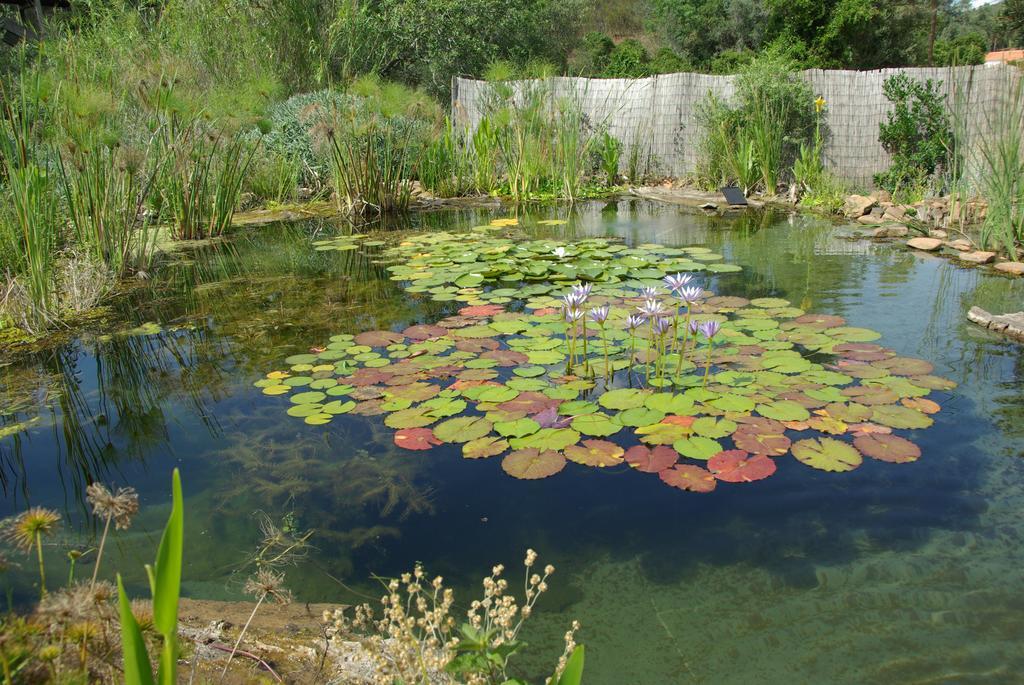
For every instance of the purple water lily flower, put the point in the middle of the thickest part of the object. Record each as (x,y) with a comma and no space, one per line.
(690,294)
(652,309)
(600,314)
(649,292)
(571,300)
(710,328)
(695,326)
(635,321)
(662,325)
(675,282)
(582,290)
(572,314)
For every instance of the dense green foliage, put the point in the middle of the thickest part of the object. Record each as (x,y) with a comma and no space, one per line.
(917,133)
(754,139)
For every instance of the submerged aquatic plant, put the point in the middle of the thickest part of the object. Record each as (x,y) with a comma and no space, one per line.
(26,531)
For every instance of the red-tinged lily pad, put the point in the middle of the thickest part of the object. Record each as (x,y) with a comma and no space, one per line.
(737,466)
(649,460)
(481,310)
(549,418)
(820,321)
(506,357)
(487,446)
(368,377)
(869,429)
(890,448)
(921,404)
(862,370)
(529,402)
(416,439)
(684,421)
(477,375)
(424,332)
(905,366)
(379,338)
(933,382)
(773,443)
(862,351)
(827,454)
(870,395)
(415,392)
(688,477)
(727,302)
(369,408)
(599,453)
(476,345)
(532,464)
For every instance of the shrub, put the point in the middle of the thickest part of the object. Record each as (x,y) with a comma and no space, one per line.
(592,55)
(771,116)
(629,59)
(917,134)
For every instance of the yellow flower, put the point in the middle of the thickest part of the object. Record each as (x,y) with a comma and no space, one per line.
(819,104)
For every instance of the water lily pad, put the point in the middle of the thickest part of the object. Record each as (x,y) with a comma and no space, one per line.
(378,338)
(737,466)
(651,460)
(897,416)
(547,439)
(518,428)
(688,477)
(664,433)
(532,464)
(598,425)
(773,443)
(487,446)
(827,454)
(416,438)
(600,453)
(697,447)
(890,448)
(462,429)
(710,427)
(783,410)
(639,416)
(623,398)
(415,417)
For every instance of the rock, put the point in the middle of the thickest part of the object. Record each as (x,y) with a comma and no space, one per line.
(961,244)
(926,244)
(708,205)
(977,257)
(857,205)
(882,195)
(938,234)
(1014,268)
(895,213)
(1007,324)
(897,231)
(877,212)
(869,220)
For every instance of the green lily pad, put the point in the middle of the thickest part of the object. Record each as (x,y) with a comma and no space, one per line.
(697,447)
(827,454)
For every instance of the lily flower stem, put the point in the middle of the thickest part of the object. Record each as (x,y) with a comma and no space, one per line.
(707,364)
(604,341)
(586,359)
(686,338)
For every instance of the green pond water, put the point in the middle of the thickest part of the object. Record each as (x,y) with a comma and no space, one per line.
(889,573)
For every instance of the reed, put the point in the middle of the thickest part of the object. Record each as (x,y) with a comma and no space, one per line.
(370,168)
(105,197)
(1001,157)
(202,182)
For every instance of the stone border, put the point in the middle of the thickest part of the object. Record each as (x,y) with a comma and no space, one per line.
(1011,325)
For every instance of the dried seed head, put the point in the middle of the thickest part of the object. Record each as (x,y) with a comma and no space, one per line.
(23,529)
(120,506)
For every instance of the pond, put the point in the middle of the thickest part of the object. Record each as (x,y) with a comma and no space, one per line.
(888,572)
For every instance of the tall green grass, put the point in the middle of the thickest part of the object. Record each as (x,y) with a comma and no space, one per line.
(29,221)
(201,182)
(370,167)
(105,197)
(1001,170)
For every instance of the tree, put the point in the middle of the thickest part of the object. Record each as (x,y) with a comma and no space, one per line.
(1013,22)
